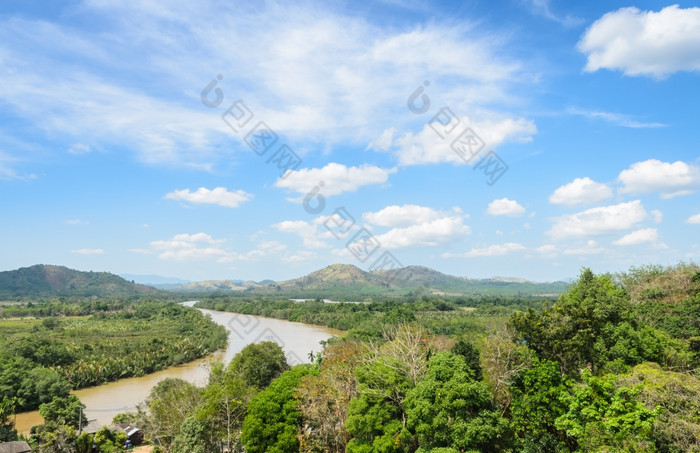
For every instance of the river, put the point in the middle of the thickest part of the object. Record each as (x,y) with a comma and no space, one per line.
(105,401)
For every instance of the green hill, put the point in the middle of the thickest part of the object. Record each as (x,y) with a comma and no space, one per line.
(46,280)
(348,282)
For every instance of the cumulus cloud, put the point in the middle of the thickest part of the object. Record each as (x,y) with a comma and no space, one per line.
(548,250)
(644,42)
(426,234)
(505,207)
(639,237)
(184,247)
(333,179)
(657,215)
(669,179)
(598,221)
(88,251)
(307,231)
(491,250)
(219,196)
(581,191)
(407,214)
(693,219)
(427,147)
(591,247)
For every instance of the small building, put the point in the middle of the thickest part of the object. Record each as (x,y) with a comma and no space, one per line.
(134,434)
(15,447)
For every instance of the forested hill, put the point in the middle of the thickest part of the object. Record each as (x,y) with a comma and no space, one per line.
(46,280)
(345,281)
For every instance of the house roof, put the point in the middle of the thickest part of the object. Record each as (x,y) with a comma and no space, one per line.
(15,447)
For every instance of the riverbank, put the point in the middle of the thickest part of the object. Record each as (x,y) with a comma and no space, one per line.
(105,401)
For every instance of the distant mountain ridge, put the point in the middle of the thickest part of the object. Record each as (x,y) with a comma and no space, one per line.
(49,280)
(346,281)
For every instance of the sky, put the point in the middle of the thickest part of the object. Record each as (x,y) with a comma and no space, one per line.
(266,140)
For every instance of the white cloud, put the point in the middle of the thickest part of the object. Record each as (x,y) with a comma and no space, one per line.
(333,179)
(79,148)
(618,119)
(76,222)
(657,215)
(639,237)
(581,191)
(491,250)
(319,76)
(88,251)
(548,250)
(693,219)
(644,42)
(427,147)
(184,247)
(591,247)
(430,233)
(396,216)
(218,196)
(597,221)
(669,179)
(383,143)
(505,207)
(307,231)
(542,8)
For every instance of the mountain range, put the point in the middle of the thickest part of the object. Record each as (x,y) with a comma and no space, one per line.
(343,281)
(338,281)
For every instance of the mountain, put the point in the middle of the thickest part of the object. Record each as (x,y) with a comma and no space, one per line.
(348,282)
(153,280)
(47,280)
(214,286)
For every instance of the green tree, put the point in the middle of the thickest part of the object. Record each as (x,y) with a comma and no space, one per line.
(592,324)
(471,357)
(8,433)
(170,402)
(602,416)
(196,436)
(109,441)
(536,404)
(260,363)
(224,402)
(273,420)
(450,409)
(66,411)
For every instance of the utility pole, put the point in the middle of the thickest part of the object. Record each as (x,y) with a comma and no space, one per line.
(80,422)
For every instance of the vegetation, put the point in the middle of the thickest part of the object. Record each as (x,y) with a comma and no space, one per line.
(44,280)
(590,372)
(44,358)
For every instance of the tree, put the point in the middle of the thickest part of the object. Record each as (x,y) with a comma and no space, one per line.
(376,419)
(224,402)
(274,418)
(536,404)
(195,437)
(325,397)
(8,433)
(590,326)
(450,409)
(170,402)
(600,415)
(260,363)
(471,357)
(63,412)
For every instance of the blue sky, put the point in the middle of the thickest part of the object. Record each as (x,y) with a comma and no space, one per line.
(520,138)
